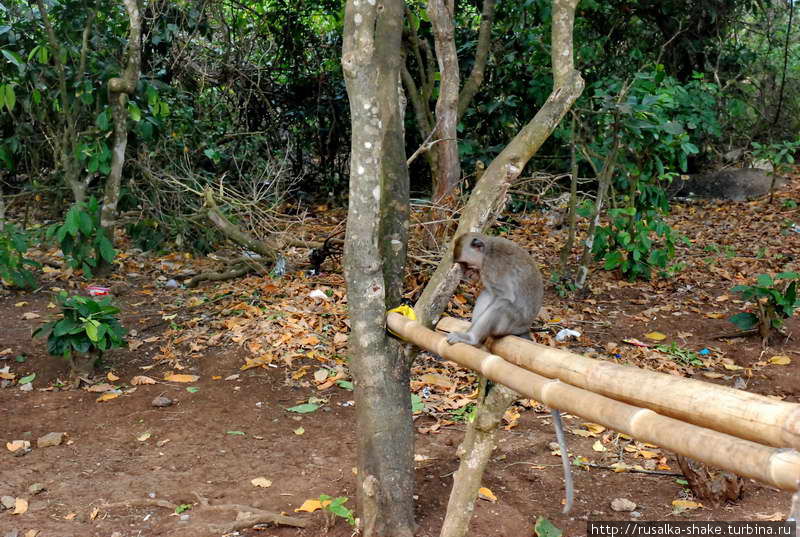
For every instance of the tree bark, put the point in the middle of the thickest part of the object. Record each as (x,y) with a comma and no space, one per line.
(489,195)
(441,14)
(373,261)
(474,453)
(119,90)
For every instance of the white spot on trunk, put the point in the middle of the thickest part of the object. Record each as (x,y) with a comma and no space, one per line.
(360,170)
(368,145)
(376,193)
(358,18)
(367,105)
(371,2)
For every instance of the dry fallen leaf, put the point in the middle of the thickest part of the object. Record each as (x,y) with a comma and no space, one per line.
(100,388)
(94,513)
(141,379)
(309,506)
(143,437)
(107,397)
(598,446)
(178,377)
(20,506)
(30,316)
(780,360)
(486,494)
(262,482)
(655,336)
(112,377)
(686,504)
(20,304)
(31,533)
(70,516)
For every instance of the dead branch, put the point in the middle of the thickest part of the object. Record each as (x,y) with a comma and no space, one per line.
(247,516)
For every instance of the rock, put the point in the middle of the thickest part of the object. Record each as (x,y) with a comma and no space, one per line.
(27,387)
(172,284)
(162,401)
(19,448)
(622,505)
(50,439)
(735,184)
(36,488)
(8,502)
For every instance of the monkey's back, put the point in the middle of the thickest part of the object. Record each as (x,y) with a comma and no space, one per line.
(519,278)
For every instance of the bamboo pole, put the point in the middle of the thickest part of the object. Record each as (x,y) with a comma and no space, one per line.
(777,467)
(728,410)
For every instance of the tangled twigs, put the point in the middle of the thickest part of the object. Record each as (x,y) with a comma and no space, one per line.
(247,516)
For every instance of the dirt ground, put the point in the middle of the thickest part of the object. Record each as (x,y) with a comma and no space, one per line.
(214,440)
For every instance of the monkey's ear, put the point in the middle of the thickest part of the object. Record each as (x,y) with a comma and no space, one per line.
(477,244)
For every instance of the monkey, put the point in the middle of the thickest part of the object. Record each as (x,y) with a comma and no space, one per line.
(509,302)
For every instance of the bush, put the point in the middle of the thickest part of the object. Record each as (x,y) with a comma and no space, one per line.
(13,246)
(82,239)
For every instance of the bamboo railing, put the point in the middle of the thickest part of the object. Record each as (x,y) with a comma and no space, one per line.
(777,467)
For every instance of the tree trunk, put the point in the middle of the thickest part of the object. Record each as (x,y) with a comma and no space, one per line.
(373,261)
(119,90)
(448,171)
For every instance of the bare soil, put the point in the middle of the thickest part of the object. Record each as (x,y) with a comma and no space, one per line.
(125,449)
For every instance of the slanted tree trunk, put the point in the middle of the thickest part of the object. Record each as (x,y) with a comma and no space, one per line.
(119,90)
(374,255)
(486,201)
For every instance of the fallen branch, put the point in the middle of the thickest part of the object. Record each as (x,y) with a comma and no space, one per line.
(247,516)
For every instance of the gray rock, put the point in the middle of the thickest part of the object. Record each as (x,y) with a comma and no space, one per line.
(36,488)
(622,505)
(8,502)
(162,401)
(50,439)
(735,184)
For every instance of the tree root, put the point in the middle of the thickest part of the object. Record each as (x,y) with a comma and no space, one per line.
(246,517)
(239,270)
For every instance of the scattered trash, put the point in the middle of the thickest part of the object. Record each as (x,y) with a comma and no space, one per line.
(566,333)
(316,293)
(98,290)
(703,352)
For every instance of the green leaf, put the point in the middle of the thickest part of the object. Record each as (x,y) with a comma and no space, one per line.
(102,121)
(28,379)
(305,408)
(194,389)
(106,249)
(787,275)
(345,385)
(545,528)
(764,280)
(9,97)
(91,330)
(416,403)
(236,433)
(14,58)
(134,112)
(744,321)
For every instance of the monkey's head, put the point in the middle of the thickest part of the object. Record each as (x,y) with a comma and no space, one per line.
(469,250)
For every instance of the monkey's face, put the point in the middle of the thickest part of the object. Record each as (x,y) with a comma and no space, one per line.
(469,250)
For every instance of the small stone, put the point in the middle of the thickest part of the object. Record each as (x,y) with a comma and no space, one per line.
(161,401)
(622,505)
(8,502)
(27,387)
(36,488)
(172,284)
(185,517)
(636,514)
(50,439)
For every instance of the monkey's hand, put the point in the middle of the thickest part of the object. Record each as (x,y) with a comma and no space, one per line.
(460,337)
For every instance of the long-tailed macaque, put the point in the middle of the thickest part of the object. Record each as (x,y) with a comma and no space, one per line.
(510,301)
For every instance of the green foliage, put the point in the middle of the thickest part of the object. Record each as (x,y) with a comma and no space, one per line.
(780,154)
(82,239)
(682,355)
(13,263)
(776,302)
(147,234)
(336,507)
(635,243)
(87,326)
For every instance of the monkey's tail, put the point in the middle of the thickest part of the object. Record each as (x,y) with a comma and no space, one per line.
(562,445)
